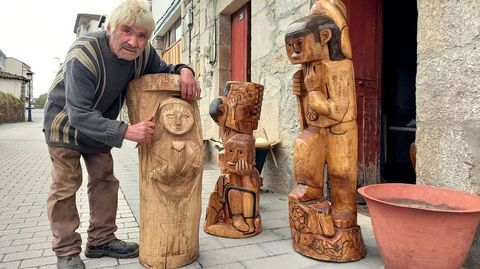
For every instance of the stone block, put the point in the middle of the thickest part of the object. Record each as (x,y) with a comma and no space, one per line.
(268,120)
(231,255)
(7,250)
(265,236)
(38,262)
(22,255)
(100,262)
(290,260)
(10,265)
(261,35)
(446,156)
(236,265)
(278,247)
(447,85)
(446,24)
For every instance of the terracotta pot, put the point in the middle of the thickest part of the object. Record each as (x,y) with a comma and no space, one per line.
(422,226)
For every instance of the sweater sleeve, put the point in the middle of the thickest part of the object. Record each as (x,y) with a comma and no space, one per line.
(80,99)
(157,65)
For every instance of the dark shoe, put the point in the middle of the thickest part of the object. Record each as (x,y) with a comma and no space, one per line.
(70,262)
(115,249)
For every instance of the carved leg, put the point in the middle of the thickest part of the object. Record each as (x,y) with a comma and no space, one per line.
(236,209)
(248,202)
(309,160)
(216,202)
(248,205)
(213,209)
(343,169)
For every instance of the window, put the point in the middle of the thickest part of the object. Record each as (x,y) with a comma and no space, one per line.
(178,30)
(172,35)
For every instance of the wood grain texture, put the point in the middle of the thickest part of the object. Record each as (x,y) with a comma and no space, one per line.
(325,90)
(170,172)
(233,208)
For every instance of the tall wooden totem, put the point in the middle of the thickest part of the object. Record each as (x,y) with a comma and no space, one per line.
(233,205)
(325,90)
(170,172)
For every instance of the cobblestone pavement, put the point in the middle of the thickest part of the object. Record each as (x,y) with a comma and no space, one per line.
(25,232)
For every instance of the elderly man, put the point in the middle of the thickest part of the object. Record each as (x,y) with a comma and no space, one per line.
(80,121)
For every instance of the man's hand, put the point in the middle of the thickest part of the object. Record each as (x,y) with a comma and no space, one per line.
(188,85)
(141,132)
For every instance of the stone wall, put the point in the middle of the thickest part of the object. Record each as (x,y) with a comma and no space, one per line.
(270,66)
(197,40)
(209,54)
(448,99)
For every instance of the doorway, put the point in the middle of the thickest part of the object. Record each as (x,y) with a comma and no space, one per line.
(240,48)
(399,66)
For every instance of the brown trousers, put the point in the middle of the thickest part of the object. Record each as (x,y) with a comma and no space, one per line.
(102,197)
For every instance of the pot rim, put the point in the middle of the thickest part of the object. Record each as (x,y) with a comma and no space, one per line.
(362,191)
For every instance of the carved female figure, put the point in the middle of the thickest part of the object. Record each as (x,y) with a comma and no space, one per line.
(170,173)
(173,163)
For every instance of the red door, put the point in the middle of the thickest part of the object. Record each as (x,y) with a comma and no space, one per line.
(240,44)
(364,20)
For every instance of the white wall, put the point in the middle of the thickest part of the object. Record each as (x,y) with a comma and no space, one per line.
(14,66)
(3,60)
(11,86)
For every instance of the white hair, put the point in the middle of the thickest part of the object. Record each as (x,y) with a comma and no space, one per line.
(132,13)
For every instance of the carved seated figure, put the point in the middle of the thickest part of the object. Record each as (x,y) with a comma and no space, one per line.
(233,206)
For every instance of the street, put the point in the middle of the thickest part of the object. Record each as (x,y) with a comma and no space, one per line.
(25,231)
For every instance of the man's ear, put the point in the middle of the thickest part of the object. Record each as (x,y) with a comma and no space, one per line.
(325,36)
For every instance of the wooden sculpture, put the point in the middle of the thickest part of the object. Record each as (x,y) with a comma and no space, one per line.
(170,172)
(233,206)
(325,90)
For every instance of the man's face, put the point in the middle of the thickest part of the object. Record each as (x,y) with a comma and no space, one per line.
(127,42)
(303,49)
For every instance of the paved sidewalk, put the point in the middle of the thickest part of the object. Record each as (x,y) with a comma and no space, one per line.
(25,232)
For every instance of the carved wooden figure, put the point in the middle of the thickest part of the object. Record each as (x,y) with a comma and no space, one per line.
(238,111)
(233,206)
(170,172)
(325,90)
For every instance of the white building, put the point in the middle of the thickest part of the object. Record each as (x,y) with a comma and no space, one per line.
(87,23)
(3,59)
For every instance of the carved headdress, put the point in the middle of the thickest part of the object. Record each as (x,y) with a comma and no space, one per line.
(337,11)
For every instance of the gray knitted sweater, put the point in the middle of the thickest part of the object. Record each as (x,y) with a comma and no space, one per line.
(88,92)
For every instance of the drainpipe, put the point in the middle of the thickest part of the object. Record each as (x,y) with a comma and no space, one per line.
(189,19)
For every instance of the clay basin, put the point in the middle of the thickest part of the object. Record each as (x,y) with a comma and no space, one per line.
(423,227)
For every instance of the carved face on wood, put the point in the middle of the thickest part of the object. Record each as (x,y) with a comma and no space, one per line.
(303,49)
(239,149)
(246,99)
(313,38)
(177,117)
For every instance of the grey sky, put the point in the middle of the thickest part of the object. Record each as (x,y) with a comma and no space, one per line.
(35,32)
